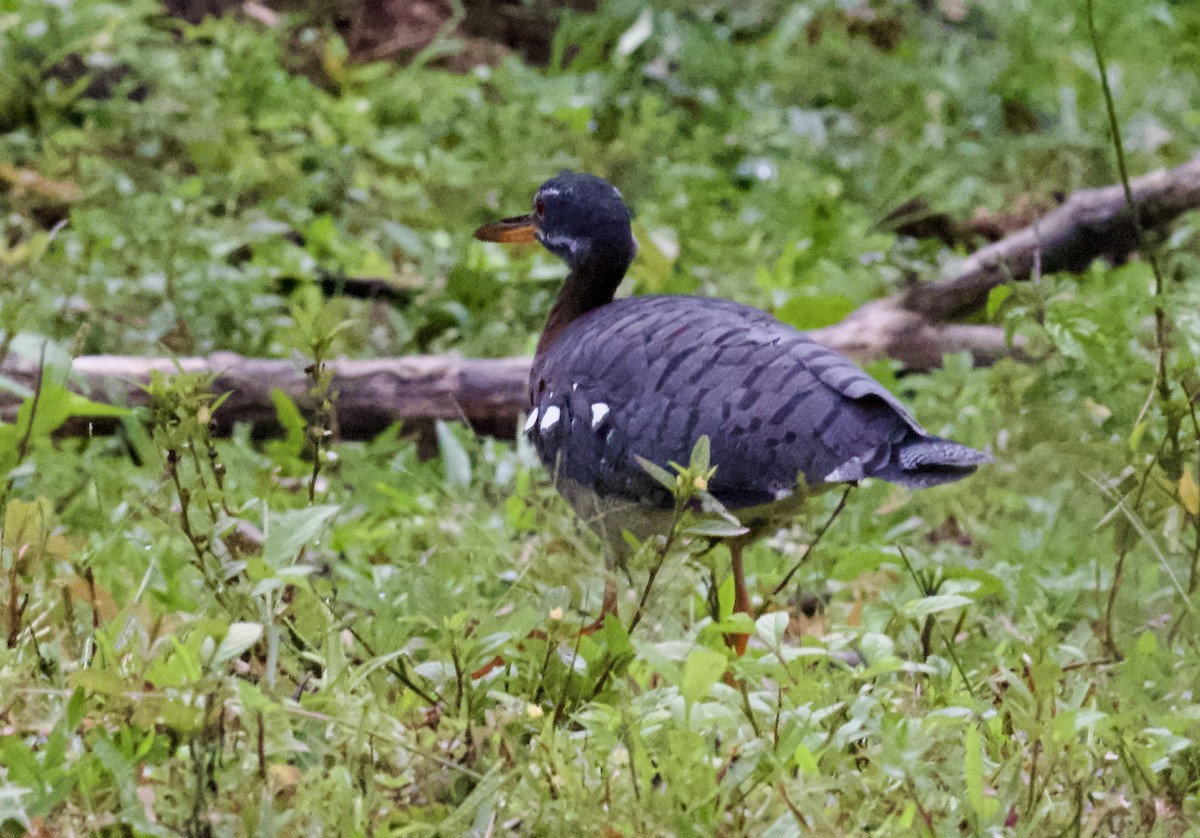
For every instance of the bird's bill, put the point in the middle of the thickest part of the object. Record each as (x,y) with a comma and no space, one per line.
(517,229)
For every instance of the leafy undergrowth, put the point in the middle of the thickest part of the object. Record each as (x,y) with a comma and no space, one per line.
(303,635)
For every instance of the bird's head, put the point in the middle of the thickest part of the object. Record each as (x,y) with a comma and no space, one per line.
(577,217)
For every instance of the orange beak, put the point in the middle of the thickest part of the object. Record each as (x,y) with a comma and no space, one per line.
(520,228)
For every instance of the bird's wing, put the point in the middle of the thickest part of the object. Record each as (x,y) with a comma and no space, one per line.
(647,376)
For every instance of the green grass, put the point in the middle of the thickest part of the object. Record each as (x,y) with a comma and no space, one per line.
(214,637)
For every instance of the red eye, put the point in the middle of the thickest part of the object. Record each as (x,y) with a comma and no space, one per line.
(539,209)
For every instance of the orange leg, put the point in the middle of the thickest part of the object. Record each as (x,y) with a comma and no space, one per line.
(607,606)
(741,599)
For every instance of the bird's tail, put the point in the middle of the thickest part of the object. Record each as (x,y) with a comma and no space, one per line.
(930,461)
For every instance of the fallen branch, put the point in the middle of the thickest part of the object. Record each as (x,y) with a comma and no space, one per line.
(371,394)
(1090,224)
(911,326)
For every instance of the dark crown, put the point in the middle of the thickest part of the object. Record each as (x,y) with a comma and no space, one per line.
(580,215)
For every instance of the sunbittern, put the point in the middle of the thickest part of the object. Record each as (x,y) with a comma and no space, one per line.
(615,380)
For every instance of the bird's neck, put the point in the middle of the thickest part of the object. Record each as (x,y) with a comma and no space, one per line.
(590,285)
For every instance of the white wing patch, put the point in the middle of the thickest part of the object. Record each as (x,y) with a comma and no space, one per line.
(549,418)
(599,411)
(850,471)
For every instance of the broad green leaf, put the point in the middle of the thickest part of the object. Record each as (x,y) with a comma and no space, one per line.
(701,670)
(283,577)
(920,608)
(615,636)
(996,298)
(19,761)
(973,755)
(253,698)
(815,311)
(47,409)
(984,806)
(698,464)
(784,826)
(288,532)
(115,762)
(455,461)
(55,405)
(974,580)
(876,647)
(659,473)
(714,528)
(76,708)
(772,627)
(725,595)
(1146,645)
(239,638)
(807,763)
(738,623)
(78,405)
(855,561)
(99,681)
(292,421)
(885,372)
(477,805)
(27,522)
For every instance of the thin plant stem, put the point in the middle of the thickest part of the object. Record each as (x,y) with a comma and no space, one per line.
(808,553)
(950,650)
(1161,383)
(662,552)
(1119,568)
(1148,538)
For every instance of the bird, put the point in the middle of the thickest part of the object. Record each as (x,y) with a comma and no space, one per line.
(615,381)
